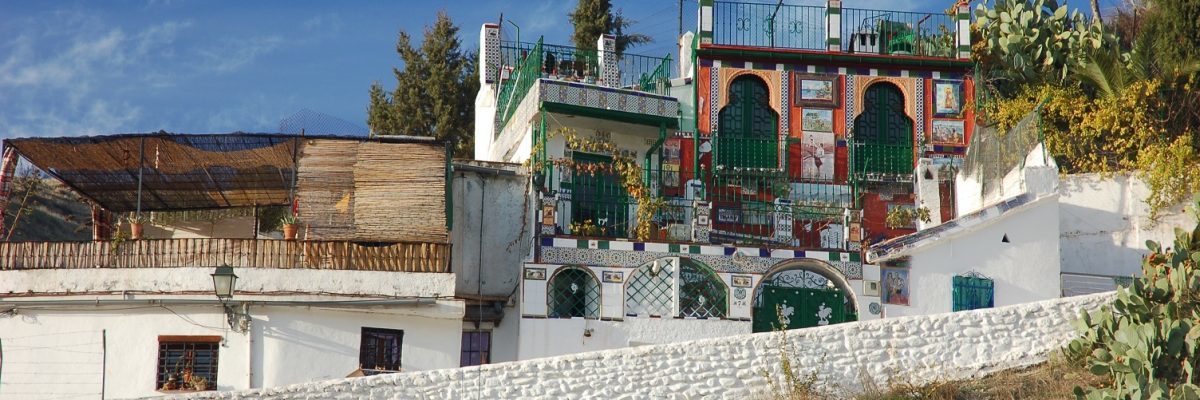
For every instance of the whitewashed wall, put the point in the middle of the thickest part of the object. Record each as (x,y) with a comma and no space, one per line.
(1025,269)
(199,280)
(924,348)
(1105,224)
(57,352)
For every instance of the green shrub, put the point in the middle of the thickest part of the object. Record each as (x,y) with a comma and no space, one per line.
(1146,340)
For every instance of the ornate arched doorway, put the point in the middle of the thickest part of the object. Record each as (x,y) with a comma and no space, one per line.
(883,133)
(801,294)
(748,135)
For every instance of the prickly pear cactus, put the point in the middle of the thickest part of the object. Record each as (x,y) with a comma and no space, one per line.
(1147,340)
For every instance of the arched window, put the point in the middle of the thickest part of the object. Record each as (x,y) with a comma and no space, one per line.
(573,292)
(651,289)
(748,134)
(883,134)
(702,294)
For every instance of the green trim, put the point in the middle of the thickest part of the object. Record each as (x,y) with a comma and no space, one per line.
(835,41)
(602,244)
(581,243)
(709,52)
(706,34)
(615,115)
(854,257)
(833,11)
(964,15)
(706,3)
(673,248)
(964,47)
(835,256)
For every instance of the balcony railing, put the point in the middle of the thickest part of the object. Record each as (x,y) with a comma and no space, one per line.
(862,31)
(769,25)
(242,253)
(748,207)
(898,33)
(516,79)
(636,72)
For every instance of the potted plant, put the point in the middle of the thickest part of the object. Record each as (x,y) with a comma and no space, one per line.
(136,225)
(290,226)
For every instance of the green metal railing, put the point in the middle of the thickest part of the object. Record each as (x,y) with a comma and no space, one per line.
(898,33)
(769,25)
(634,71)
(745,207)
(523,74)
(879,159)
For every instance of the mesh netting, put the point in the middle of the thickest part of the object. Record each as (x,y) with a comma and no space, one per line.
(993,154)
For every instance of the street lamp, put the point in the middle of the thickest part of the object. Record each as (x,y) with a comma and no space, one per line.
(224,281)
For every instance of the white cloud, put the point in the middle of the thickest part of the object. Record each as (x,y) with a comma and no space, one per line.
(232,54)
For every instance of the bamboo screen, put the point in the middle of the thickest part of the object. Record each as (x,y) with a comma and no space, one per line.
(373,191)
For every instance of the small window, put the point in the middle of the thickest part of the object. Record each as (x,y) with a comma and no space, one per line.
(380,349)
(573,292)
(476,348)
(187,363)
(973,292)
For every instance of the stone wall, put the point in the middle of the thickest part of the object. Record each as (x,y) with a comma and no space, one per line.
(918,349)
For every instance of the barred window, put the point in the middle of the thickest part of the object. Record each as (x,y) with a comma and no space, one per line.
(651,290)
(973,292)
(573,292)
(380,349)
(187,362)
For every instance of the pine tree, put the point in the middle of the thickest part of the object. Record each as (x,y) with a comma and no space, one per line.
(593,18)
(435,89)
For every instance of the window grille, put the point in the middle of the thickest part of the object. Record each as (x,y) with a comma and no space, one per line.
(702,294)
(650,289)
(380,349)
(973,292)
(476,348)
(186,361)
(573,293)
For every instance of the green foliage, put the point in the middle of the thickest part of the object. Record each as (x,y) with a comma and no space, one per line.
(1026,41)
(1147,340)
(593,18)
(904,217)
(435,90)
(1171,31)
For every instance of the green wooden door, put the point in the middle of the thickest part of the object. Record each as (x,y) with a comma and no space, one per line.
(599,196)
(785,307)
(883,134)
(748,134)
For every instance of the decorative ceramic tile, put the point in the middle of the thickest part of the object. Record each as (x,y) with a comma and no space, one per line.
(713,94)
(850,110)
(920,96)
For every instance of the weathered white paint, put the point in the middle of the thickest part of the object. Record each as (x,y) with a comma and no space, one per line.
(546,337)
(56,351)
(1038,175)
(227,228)
(1105,224)
(922,349)
(491,233)
(1025,269)
(250,280)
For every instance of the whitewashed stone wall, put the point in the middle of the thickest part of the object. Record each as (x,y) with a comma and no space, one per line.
(919,349)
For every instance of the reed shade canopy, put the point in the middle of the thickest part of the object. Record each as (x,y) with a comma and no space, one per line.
(179,172)
(385,189)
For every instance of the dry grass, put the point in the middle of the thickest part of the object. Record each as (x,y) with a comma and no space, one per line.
(1054,379)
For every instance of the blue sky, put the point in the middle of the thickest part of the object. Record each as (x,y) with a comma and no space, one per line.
(85,68)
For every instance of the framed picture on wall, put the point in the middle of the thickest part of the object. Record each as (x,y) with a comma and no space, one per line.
(535,274)
(817,91)
(817,120)
(947,98)
(949,131)
(613,276)
(895,286)
(816,152)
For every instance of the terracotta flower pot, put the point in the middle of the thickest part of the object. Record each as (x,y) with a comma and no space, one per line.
(289,231)
(135,230)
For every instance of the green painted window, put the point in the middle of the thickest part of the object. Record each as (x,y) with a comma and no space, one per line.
(883,134)
(973,292)
(573,292)
(599,196)
(748,135)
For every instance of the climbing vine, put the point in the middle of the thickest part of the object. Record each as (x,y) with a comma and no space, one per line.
(623,166)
